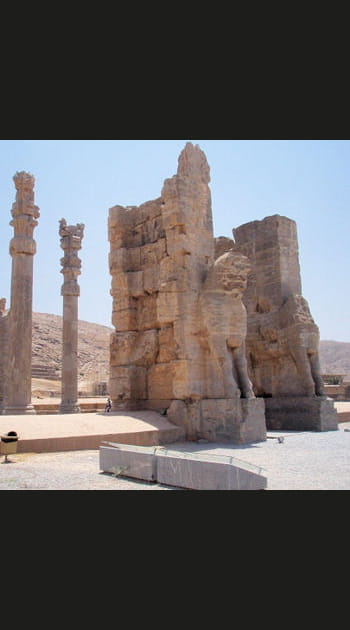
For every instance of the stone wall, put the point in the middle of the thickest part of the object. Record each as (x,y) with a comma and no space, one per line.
(160,252)
(161,256)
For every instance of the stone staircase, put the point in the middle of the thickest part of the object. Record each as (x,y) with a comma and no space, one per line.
(45,371)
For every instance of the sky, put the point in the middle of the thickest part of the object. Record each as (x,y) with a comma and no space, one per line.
(80,180)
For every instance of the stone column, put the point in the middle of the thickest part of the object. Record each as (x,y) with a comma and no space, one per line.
(22,249)
(71,237)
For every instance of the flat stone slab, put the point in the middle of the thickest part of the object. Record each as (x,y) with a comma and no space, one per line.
(138,462)
(184,470)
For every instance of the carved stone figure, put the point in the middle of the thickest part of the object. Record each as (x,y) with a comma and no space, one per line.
(301,335)
(282,342)
(225,321)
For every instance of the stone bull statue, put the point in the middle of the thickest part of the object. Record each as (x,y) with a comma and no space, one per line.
(224,322)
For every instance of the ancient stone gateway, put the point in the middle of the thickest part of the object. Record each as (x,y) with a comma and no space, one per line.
(18,390)
(71,237)
(282,341)
(167,293)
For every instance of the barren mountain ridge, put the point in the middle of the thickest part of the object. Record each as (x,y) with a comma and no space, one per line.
(93,348)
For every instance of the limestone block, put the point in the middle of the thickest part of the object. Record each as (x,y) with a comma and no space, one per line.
(168,348)
(125,259)
(135,283)
(120,221)
(134,348)
(127,383)
(187,381)
(178,272)
(197,471)
(124,319)
(301,413)
(138,462)
(238,420)
(149,210)
(160,378)
(152,230)
(151,279)
(186,414)
(119,285)
(152,253)
(147,318)
(167,307)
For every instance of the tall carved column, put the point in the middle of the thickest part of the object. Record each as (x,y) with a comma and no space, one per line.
(71,237)
(22,249)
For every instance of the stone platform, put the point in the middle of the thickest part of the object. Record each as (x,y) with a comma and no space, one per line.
(78,431)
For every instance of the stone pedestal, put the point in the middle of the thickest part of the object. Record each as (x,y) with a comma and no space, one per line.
(235,420)
(301,413)
(71,237)
(22,249)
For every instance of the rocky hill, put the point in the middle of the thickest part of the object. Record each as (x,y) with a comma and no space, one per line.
(93,349)
(335,357)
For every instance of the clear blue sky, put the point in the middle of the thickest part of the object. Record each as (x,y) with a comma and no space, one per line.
(79,180)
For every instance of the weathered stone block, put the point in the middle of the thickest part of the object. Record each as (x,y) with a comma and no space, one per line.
(195,471)
(151,279)
(207,472)
(127,383)
(168,349)
(138,462)
(125,319)
(134,348)
(160,378)
(125,259)
(147,312)
(167,308)
(239,421)
(301,413)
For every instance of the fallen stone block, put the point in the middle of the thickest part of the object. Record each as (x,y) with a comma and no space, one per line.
(127,460)
(207,472)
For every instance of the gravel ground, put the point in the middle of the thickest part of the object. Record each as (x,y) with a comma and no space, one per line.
(298,461)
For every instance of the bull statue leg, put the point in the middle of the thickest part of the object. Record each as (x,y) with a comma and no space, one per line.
(316,373)
(302,362)
(241,368)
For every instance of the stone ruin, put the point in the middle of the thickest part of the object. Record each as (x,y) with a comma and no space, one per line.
(211,332)
(282,341)
(16,323)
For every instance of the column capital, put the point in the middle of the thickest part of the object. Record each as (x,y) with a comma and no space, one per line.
(71,237)
(24,204)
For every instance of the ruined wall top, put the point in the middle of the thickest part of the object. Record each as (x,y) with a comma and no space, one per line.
(272,248)
(193,163)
